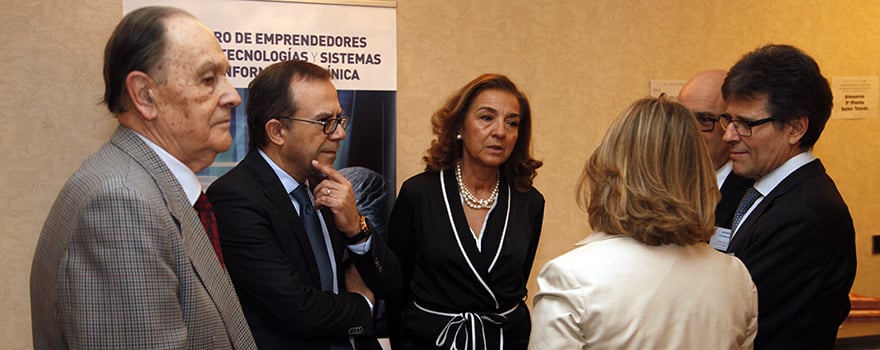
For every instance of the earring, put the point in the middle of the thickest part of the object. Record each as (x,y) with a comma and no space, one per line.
(458,137)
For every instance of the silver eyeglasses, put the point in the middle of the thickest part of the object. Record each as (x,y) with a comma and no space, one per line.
(329,124)
(742,127)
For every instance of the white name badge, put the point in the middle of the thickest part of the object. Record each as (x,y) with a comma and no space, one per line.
(721,239)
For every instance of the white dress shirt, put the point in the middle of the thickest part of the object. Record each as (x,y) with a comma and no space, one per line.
(723,172)
(184,175)
(767,183)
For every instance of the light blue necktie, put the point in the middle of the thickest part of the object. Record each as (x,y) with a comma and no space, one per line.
(316,235)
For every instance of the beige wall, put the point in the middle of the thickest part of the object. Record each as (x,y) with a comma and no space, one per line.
(581,63)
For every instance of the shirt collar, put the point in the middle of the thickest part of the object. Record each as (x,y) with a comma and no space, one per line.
(723,172)
(771,180)
(287,181)
(184,175)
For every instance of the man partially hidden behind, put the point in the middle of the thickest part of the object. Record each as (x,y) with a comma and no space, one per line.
(701,94)
(123,261)
(288,221)
(792,229)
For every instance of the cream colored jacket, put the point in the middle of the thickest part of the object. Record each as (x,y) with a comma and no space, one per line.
(612,292)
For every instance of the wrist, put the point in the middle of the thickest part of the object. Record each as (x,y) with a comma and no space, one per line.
(362,234)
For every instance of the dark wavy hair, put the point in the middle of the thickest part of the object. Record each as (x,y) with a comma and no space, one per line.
(137,44)
(792,82)
(445,150)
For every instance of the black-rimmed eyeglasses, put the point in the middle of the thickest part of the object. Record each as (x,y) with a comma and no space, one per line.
(707,121)
(742,127)
(329,124)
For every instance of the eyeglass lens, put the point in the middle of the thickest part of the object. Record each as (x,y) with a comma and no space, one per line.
(707,120)
(741,127)
(330,125)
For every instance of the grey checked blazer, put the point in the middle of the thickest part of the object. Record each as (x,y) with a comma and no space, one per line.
(123,262)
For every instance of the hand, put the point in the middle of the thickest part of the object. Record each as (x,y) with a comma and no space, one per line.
(355,283)
(337,194)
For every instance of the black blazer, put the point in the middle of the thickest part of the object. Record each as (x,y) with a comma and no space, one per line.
(445,271)
(275,273)
(799,246)
(732,191)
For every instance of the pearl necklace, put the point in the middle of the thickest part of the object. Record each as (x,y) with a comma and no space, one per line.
(469,198)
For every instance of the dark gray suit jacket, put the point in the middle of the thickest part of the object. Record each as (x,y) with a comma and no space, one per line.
(732,191)
(123,262)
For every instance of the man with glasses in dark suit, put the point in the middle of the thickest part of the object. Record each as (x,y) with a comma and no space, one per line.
(305,262)
(792,229)
(701,94)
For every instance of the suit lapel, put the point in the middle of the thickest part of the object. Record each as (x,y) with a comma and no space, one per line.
(732,191)
(338,246)
(496,227)
(295,241)
(336,238)
(745,233)
(468,243)
(476,260)
(197,244)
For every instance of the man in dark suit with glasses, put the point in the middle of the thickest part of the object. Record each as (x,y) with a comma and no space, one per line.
(792,229)
(303,259)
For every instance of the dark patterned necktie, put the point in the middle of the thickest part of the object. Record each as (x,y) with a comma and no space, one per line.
(748,199)
(316,235)
(209,222)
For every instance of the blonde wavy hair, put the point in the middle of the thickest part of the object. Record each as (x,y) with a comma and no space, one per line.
(651,178)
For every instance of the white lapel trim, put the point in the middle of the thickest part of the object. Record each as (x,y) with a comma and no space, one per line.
(503,231)
(458,240)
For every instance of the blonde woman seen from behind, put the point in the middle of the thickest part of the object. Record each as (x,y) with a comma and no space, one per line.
(646,279)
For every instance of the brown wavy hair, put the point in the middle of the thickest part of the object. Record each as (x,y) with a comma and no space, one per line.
(445,150)
(651,178)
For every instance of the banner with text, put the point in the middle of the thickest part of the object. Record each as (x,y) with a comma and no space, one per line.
(357,44)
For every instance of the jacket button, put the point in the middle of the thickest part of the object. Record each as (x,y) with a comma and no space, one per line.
(356,330)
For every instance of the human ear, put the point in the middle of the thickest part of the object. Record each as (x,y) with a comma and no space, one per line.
(139,89)
(275,131)
(798,129)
